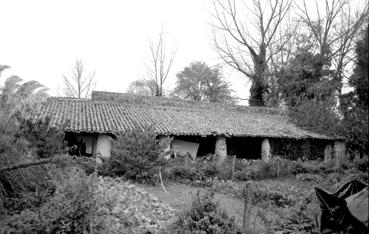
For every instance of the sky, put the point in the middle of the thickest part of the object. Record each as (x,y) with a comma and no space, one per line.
(41,39)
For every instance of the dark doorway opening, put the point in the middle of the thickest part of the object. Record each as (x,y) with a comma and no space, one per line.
(244,147)
(206,144)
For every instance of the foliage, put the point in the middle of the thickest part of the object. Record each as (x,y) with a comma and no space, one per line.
(306,76)
(308,90)
(361,163)
(67,211)
(84,204)
(136,156)
(193,171)
(198,82)
(316,116)
(20,99)
(204,216)
(46,140)
(204,171)
(354,105)
(123,208)
(19,188)
(24,187)
(297,221)
(142,87)
(359,80)
(258,170)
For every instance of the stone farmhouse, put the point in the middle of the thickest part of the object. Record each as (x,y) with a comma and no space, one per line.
(195,128)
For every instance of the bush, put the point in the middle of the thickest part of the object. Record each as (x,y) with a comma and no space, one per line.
(18,187)
(25,141)
(123,208)
(361,163)
(68,211)
(207,166)
(84,204)
(136,156)
(184,174)
(204,216)
(45,140)
(259,170)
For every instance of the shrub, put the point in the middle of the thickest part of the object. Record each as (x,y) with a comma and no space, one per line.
(90,204)
(311,167)
(25,141)
(361,163)
(45,140)
(207,167)
(123,208)
(259,170)
(67,211)
(18,187)
(136,156)
(184,174)
(204,216)
(266,196)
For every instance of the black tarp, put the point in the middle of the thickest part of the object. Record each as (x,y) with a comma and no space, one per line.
(344,211)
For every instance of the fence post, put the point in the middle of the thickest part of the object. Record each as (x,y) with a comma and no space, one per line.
(233,165)
(247,207)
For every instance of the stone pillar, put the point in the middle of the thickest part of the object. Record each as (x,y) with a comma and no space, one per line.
(103,147)
(339,149)
(221,148)
(265,150)
(165,144)
(328,153)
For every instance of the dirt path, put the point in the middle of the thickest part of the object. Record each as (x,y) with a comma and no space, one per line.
(179,196)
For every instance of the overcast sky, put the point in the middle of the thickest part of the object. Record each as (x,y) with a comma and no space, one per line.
(41,39)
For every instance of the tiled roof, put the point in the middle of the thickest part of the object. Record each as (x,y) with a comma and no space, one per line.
(177,102)
(85,115)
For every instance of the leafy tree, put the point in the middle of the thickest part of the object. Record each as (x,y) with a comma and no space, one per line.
(360,79)
(308,90)
(306,76)
(198,82)
(142,87)
(354,105)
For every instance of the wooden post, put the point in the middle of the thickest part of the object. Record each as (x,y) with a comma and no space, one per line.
(247,207)
(186,160)
(233,166)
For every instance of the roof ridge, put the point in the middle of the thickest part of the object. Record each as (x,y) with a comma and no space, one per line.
(162,107)
(177,102)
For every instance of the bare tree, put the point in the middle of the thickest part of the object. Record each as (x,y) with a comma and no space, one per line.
(161,61)
(334,28)
(244,36)
(79,84)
